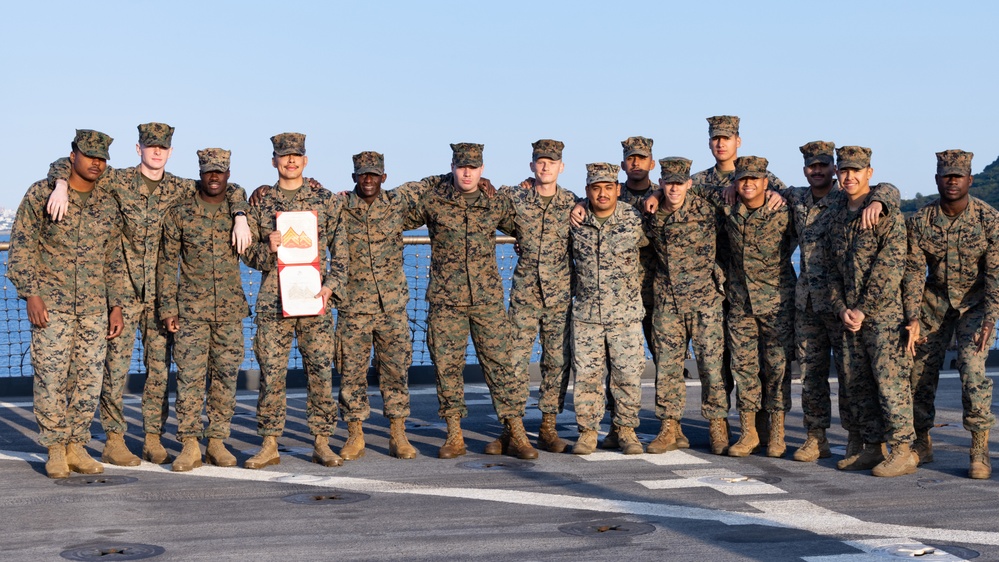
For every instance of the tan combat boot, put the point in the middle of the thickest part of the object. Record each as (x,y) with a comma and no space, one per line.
(548,438)
(454,445)
(762,430)
(776,446)
(718,435)
(902,460)
(871,455)
(611,439)
(815,447)
(499,445)
(630,445)
(520,445)
(189,457)
(681,440)
(117,453)
(749,438)
(218,455)
(267,456)
(923,447)
(79,460)
(153,451)
(666,440)
(55,466)
(322,454)
(353,449)
(587,442)
(981,466)
(399,446)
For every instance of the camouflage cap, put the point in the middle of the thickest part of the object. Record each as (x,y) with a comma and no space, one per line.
(466,155)
(92,143)
(155,134)
(750,167)
(853,157)
(675,169)
(818,152)
(601,171)
(954,163)
(213,160)
(723,126)
(547,148)
(288,143)
(369,162)
(637,145)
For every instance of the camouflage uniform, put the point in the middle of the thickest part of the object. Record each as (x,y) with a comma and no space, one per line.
(647,255)
(465,293)
(958,292)
(142,214)
(272,343)
(866,268)
(542,284)
(606,318)
(208,299)
(712,177)
(689,301)
(371,292)
(75,266)
(817,327)
(759,284)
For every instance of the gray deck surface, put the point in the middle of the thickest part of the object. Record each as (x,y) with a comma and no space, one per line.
(683,505)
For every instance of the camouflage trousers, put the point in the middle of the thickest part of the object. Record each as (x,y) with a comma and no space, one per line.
(272,345)
(448,328)
(389,333)
(156,349)
(207,352)
(648,331)
(762,347)
(68,359)
(876,373)
(551,324)
(817,334)
(673,333)
(594,347)
(939,326)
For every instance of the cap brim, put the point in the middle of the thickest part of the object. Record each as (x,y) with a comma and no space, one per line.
(287,151)
(369,170)
(213,168)
(547,155)
(854,164)
(467,163)
(820,159)
(639,151)
(953,171)
(674,178)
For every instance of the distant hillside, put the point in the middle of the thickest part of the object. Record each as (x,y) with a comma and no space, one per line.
(986,188)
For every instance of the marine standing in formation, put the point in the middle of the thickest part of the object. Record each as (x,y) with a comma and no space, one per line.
(759,284)
(541,296)
(144,193)
(466,297)
(606,316)
(866,269)
(272,343)
(72,277)
(203,306)
(957,238)
(688,296)
(371,292)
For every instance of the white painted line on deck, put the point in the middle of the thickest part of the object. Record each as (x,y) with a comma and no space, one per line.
(671,458)
(719,479)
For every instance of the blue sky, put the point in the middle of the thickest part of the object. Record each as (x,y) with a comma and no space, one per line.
(907,79)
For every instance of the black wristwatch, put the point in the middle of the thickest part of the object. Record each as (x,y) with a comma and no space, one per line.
(239,214)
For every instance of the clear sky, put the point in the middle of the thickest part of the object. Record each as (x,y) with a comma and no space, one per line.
(906,78)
